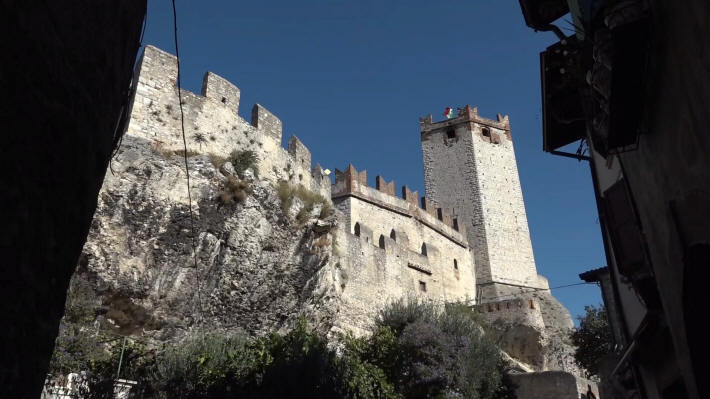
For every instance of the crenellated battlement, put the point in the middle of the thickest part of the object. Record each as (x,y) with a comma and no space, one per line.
(350,182)
(517,310)
(469,117)
(212,123)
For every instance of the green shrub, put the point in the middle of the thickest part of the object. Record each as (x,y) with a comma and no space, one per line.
(203,366)
(416,350)
(429,351)
(298,364)
(82,347)
(243,160)
(593,339)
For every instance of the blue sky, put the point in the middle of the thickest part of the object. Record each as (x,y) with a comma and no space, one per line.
(351,79)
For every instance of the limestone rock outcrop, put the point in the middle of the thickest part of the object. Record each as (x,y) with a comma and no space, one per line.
(256,270)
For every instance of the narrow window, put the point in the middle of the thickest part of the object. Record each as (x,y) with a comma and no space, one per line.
(357,229)
(456,265)
(393,235)
(422,286)
(451,134)
(424,249)
(224,100)
(382,241)
(456,224)
(486,131)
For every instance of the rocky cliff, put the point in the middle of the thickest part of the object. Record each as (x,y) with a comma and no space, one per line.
(257,269)
(265,255)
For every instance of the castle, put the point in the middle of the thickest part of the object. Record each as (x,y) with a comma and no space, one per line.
(466,240)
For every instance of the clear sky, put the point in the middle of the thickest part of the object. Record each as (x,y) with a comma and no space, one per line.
(351,78)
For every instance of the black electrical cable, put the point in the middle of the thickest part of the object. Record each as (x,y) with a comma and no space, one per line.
(187,170)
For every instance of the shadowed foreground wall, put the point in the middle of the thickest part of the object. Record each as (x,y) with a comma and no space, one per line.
(65,76)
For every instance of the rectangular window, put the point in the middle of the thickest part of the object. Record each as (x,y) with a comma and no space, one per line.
(422,286)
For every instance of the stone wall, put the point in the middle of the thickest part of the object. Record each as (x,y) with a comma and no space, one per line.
(212,125)
(484,193)
(552,384)
(381,239)
(513,311)
(370,277)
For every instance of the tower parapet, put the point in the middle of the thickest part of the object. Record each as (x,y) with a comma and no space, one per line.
(467,115)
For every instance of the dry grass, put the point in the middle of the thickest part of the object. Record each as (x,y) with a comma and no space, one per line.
(287,192)
(217,160)
(190,153)
(234,191)
(321,241)
(169,154)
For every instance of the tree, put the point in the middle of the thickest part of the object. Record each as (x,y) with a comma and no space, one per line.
(593,339)
(431,352)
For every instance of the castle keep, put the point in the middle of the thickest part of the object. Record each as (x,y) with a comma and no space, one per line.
(471,172)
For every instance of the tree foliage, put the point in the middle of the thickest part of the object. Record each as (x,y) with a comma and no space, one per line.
(427,352)
(416,350)
(593,339)
(83,346)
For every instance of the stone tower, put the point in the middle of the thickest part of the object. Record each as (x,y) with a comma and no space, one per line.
(471,172)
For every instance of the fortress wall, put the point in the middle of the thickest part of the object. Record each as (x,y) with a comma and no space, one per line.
(521,311)
(353,183)
(372,216)
(372,277)
(213,115)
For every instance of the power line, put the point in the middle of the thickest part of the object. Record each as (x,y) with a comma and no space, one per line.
(517,294)
(187,170)
(535,290)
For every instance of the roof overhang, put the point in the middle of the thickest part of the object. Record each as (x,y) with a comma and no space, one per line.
(539,14)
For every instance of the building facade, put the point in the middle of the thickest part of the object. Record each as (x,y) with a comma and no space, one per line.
(631,85)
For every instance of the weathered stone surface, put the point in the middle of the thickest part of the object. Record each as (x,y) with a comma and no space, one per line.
(475,179)
(255,271)
(552,384)
(533,329)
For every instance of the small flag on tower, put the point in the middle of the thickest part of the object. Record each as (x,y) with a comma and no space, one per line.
(449,112)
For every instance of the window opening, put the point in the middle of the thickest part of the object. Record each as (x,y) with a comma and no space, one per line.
(357,229)
(382,241)
(422,286)
(424,249)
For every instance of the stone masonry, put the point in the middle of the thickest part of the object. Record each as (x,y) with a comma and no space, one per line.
(484,195)
(212,124)
(394,249)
